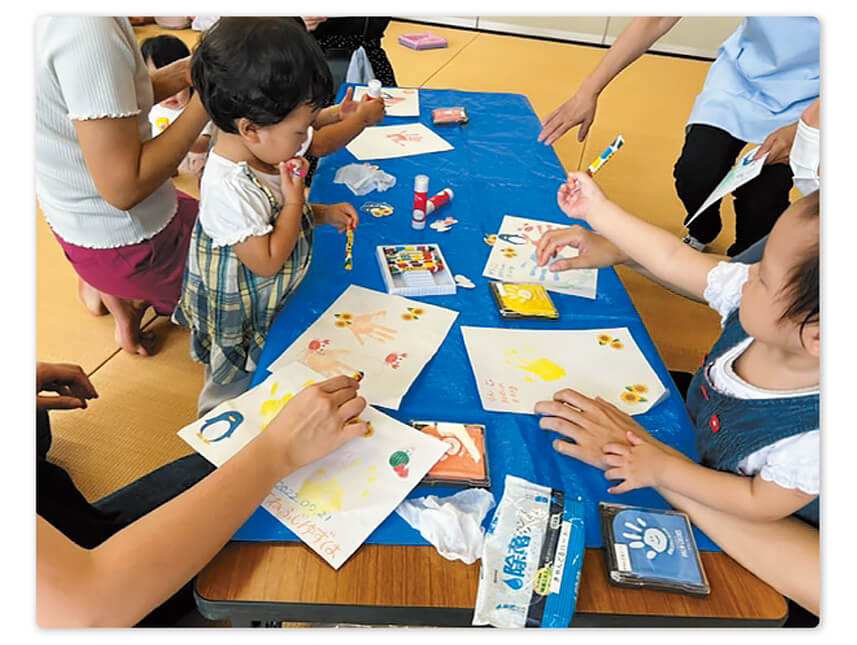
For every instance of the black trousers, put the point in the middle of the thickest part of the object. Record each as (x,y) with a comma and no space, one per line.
(707,155)
(59,502)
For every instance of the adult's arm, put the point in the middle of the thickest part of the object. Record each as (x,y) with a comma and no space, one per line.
(126,170)
(579,109)
(171,78)
(120,581)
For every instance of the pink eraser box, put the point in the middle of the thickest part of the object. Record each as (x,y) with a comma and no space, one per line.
(422,40)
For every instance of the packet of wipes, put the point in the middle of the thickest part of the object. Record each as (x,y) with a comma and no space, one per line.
(531,558)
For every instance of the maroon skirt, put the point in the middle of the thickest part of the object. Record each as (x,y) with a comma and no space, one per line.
(150,270)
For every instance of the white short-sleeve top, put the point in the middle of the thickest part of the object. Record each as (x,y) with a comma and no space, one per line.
(793,462)
(90,68)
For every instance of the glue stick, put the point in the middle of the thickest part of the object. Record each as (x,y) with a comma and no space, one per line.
(418,218)
(375,88)
(438,200)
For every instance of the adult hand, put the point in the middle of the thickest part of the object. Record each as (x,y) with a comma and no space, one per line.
(318,420)
(594,251)
(590,423)
(341,215)
(312,22)
(778,144)
(71,385)
(578,110)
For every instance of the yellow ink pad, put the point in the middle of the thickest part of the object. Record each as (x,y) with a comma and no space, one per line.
(523,300)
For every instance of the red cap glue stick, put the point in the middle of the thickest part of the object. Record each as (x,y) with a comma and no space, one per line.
(418,218)
(438,200)
(374,88)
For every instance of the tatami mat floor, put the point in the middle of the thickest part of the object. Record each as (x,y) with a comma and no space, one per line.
(131,427)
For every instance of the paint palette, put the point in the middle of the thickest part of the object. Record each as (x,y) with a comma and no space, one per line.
(464,464)
(523,301)
(415,270)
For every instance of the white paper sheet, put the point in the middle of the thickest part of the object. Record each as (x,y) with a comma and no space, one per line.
(334,503)
(745,170)
(390,141)
(513,259)
(398,101)
(516,368)
(388,338)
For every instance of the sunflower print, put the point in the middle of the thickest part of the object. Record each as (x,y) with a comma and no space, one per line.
(634,393)
(413,313)
(343,320)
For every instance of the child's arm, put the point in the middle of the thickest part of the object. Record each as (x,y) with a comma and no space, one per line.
(264,255)
(334,113)
(337,135)
(752,498)
(341,215)
(659,252)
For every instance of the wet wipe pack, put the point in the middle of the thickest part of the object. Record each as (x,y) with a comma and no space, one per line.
(531,558)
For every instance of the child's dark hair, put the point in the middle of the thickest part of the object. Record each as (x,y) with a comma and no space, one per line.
(163,50)
(802,289)
(259,69)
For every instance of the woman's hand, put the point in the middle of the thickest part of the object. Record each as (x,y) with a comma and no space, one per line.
(579,196)
(317,421)
(594,251)
(292,173)
(340,215)
(71,385)
(591,424)
(778,144)
(578,110)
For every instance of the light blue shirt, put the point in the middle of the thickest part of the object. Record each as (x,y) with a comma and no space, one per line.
(765,74)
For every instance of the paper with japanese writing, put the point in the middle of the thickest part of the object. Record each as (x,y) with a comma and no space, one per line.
(746,169)
(227,428)
(388,338)
(390,141)
(516,368)
(513,259)
(334,503)
(398,101)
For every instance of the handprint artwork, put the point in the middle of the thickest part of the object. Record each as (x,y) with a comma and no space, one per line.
(513,259)
(389,141)
(388,338)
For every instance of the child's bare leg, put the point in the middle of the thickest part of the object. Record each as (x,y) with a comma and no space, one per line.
(127,315)
(91,298)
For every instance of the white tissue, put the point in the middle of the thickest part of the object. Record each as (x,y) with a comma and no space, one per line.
(362,178)
(452,524)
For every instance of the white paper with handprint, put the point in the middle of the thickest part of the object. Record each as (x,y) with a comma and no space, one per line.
(222,432)
(334,503)
(390,141)
(388,338)
(513,259)
(516,368)
(398,101)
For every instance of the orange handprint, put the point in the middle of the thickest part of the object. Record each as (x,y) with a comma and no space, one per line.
(324,361)
(364,325)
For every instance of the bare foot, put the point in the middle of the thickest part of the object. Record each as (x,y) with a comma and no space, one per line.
(91,298)
(127,315)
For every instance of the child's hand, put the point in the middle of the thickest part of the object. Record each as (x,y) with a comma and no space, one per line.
(292,173)
(348,105)
(341,215)
(638,464)
(593,249)
(371,110)
(578,196)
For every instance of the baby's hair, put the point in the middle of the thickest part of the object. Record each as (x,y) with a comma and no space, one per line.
(163,50)
(801,290)
(259,69)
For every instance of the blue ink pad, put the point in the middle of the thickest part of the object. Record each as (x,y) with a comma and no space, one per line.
(651,548)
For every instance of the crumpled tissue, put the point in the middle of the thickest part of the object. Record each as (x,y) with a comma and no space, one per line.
(362,178)
(452,524)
